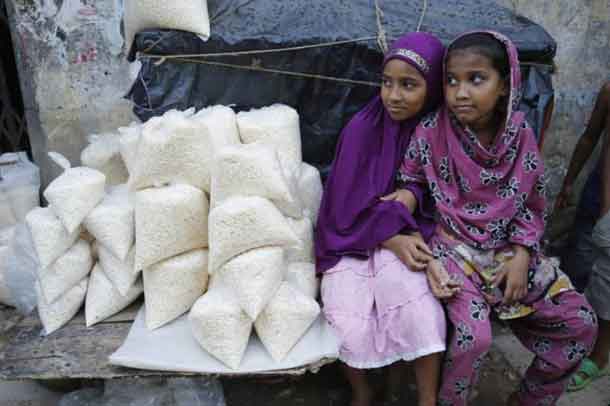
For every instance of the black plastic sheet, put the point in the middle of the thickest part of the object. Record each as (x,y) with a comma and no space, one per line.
(324,106)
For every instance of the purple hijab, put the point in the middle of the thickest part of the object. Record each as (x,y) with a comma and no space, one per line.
(352,220)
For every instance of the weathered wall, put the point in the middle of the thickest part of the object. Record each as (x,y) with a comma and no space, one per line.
(73,72)
(582,31)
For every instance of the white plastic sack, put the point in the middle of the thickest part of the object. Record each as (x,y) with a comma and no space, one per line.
(172,286)
(219,124)
(254,277)
(285,320)
(220,326)
(169,221)
(51,239)
(103,299)
(74,193)
(302,275)
(122,274)
(278,126)
(253,170)
(310,191)
(112,222)
(303,252)
(244,223)
(172,149)
(19,184)
(128,144)
(5,294)
(67,271)
(103,153)
(185,15)
(21,270)
(57,314)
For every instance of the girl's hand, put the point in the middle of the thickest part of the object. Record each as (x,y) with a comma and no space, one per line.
(441,284)
(403,196)
(411,250)
(514,273)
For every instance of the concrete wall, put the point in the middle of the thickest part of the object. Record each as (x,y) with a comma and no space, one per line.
(582,31)
(74,72)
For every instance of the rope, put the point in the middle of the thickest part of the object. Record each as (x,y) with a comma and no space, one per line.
(279,71)
(382,40)
(254,51)
(423,14)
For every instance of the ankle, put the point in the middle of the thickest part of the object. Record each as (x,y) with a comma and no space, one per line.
(600,360)
(427,402)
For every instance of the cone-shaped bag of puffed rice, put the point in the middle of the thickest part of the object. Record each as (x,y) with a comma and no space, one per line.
(128,144)
(303,252)
(172,149)
(219,124)
(184,15)
(57,314)
(104,300)
(220,326)
(285,320)
(112,222)
(278,126)
(103,153)
(253,170)
(169,221)
(67,271)
(74,193)
(302,275)
(122,274)
(244,223)
(310,191)
(254,277)
(172,286)
(51,239)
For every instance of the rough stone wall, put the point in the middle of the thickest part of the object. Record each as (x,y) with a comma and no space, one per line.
(73,73)
(582,31)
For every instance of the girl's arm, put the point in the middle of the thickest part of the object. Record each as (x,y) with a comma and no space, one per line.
(404,196)
(606,156)
(586,144)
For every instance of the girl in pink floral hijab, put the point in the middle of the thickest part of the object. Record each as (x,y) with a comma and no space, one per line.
(480,160)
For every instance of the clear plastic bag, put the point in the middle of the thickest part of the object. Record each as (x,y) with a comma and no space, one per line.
(21,269)
(150,392)
(19,188)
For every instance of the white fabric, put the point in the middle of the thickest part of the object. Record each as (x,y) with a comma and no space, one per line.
(173,348)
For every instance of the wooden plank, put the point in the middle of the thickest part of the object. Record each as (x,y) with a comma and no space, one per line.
(76,351)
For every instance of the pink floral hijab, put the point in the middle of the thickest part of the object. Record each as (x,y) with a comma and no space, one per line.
(486,197)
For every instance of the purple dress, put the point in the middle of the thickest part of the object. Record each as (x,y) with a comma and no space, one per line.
(381,310)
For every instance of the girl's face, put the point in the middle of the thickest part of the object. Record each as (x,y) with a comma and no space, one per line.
(473,89)
(403,90)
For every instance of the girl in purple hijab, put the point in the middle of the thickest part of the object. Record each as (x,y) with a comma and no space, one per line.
(370,249)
